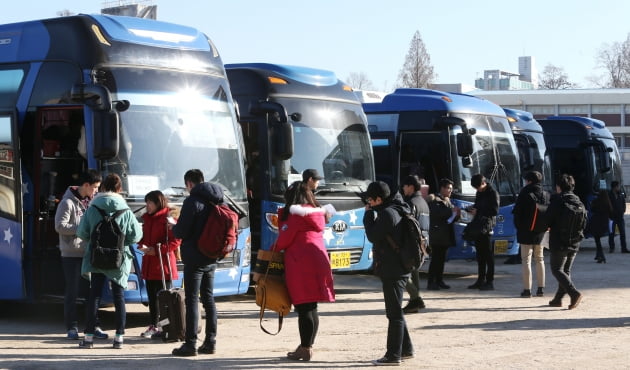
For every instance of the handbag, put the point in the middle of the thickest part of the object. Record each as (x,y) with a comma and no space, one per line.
(271,289)
(473,230)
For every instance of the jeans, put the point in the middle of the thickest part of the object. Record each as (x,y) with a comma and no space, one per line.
(618,222)
(398,339)
(485,259)
(308,323)
(97,283)
(413,284)
(75,286)
(199,280)
(153,287)
(436,265)
(561,262)
(539,261)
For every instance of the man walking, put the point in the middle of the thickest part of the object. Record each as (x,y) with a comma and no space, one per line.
(484,213)
(198,269)
(618,200)
(381,220)
(567,218)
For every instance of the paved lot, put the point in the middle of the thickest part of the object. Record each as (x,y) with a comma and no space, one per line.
(460,329)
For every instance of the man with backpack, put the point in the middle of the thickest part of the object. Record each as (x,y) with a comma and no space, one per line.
(198,268)
(382,219)
(567,219)
(530,231)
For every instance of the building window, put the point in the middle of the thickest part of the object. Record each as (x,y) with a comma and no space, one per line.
(538,110)
(573,110)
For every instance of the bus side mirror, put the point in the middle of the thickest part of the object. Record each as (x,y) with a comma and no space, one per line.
(605,163)
(282,130)
(464,144)
(94,95)
(105,135)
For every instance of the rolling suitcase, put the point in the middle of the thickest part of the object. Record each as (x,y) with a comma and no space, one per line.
(171,308)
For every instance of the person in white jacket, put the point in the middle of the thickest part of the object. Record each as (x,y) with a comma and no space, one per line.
(67,218)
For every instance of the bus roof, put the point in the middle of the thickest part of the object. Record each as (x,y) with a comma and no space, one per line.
(407,99)
(306,75)
(522,120)
(558,125)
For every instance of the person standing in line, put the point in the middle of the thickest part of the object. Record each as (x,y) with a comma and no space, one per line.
(599,224)
(484,211)
(308,274)
(530,241)
(157,237)
(382,219)
(71,209)
(198,269)
(564,244)
(441,233)
(109,200)
(311,177)
(413,197)
(618,200)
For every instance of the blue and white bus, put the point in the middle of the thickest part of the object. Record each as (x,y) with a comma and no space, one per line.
(584,148)
(147,100)
(295,118)
(436,135)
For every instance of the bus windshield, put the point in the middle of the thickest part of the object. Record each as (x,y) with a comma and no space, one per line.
(606,177)
(493,155)
(176,122)
(332,138)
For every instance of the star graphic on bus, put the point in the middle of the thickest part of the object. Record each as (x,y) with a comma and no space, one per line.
(328,235)
(7,235)
(233,273)
(353,217)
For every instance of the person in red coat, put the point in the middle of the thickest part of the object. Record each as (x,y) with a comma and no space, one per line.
(157,238)
(307,266)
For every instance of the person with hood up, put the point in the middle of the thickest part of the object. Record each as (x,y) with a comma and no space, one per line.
(109,200)
(198,269)
(382,218)
(308,275)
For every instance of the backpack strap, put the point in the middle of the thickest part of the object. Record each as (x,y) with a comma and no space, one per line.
(113,215)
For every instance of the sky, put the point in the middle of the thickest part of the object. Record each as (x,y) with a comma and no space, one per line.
(462,37)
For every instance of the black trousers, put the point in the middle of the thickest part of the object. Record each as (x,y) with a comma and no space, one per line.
(485,259)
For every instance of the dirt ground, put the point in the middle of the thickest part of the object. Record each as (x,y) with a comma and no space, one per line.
(459,329)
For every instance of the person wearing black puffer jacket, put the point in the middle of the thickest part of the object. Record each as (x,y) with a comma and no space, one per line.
(529,240)
(382,220)
(562,252)
(198,269)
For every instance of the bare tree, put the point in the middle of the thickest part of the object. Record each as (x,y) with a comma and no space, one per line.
(359,81)
(64,13)
(554,78)
(615,59)
(417,70)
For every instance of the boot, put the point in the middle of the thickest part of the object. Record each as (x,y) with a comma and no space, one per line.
(301,353)
(557,300)
(413,306)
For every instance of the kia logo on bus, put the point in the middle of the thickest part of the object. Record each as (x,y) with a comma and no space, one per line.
(339,226)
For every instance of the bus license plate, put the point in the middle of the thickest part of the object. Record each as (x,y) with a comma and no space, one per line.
(500,246)
(339,260)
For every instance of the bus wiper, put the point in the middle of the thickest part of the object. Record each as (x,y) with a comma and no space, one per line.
(329,190)
(175,192)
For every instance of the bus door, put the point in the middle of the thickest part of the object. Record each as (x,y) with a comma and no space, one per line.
(425,154)
(385,156)
(12,285)
(58,159)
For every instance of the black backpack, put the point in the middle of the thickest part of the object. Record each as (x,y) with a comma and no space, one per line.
(413,248)
(107,241)
(538,221)
(572,220)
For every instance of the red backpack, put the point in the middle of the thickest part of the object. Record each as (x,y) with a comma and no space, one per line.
(220,232)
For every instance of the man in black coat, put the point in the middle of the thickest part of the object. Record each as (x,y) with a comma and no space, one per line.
(618,200)
(563,253)
(528,239)
(382,220)
(413,197)
(484,213)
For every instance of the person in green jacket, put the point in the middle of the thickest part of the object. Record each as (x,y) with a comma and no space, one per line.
(109,201)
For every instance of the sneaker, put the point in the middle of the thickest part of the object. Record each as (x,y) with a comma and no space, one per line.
(443,285)
(86,344)
(98,333)
(186,350)
(73,334)
(539,292)
(206,348)
(413,306)
(407,356)
(158,334)
(151,330)
(487,286)
(117,345)
(386,361)
(476,285)
(555,303)
(526,293)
